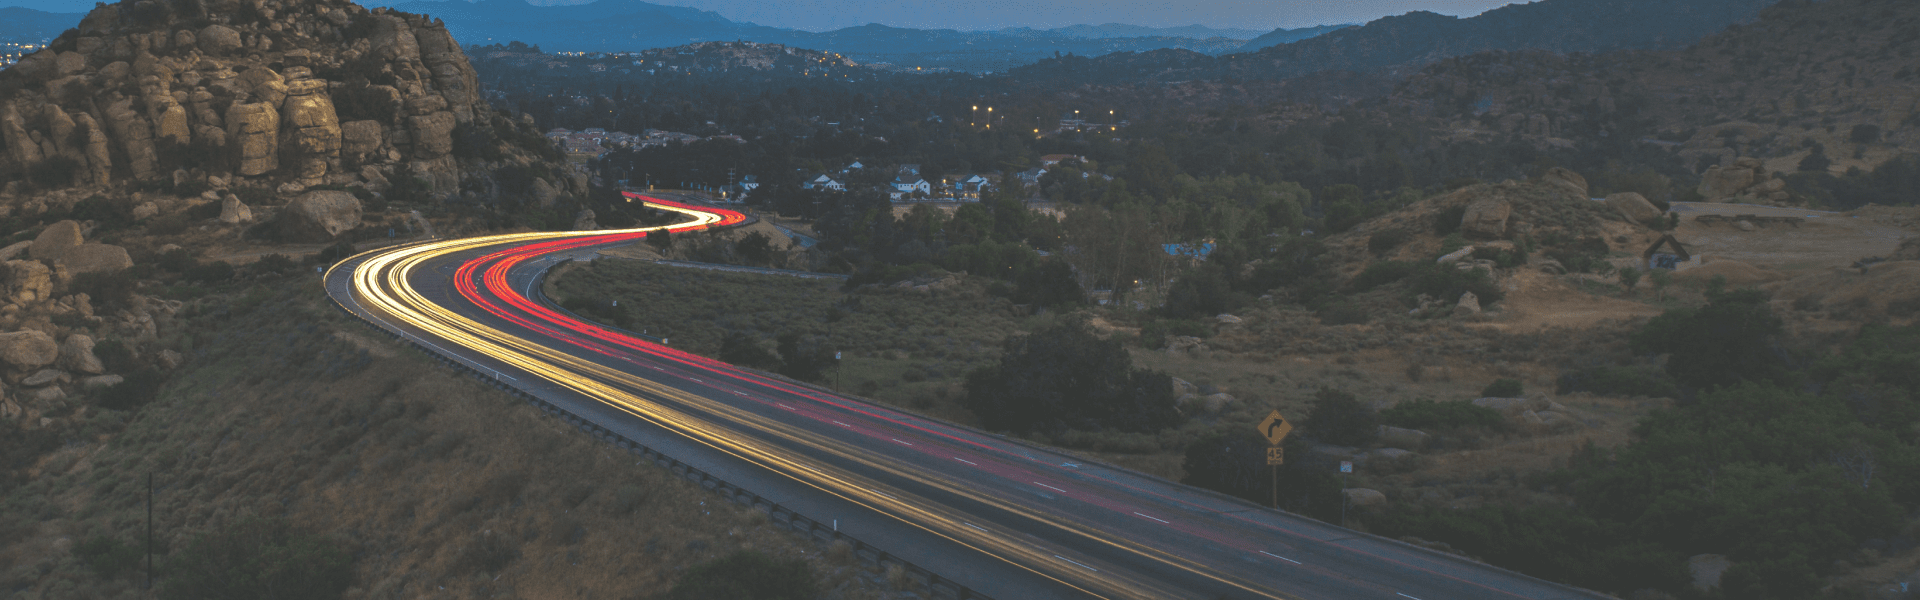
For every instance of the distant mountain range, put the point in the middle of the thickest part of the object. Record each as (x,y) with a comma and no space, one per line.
(629,25)
(24,25)
(1400,44)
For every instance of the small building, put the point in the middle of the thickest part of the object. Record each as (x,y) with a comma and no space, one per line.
(823,182)
(1671,259)
(1054,159)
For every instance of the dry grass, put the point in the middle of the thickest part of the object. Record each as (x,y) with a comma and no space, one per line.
(444,488)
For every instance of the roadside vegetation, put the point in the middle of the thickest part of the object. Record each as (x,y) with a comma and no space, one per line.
(299,454)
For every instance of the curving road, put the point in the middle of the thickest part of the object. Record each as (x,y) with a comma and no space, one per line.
(995,517)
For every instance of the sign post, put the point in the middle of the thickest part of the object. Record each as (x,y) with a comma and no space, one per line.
(1346,466)
(1275,428)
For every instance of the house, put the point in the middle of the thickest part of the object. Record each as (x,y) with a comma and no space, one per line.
(1031,176)
(1676,259)
(823,182)
(1054,159)
(971,185)
(853,167)
(910,184)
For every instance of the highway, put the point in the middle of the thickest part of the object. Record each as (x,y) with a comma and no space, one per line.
(995,517)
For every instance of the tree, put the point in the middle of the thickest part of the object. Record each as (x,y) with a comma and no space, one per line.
(1629,277)
(1339,418)
(1725,342)
(1063,377)
(1232,462)
(660,239)
(744,349)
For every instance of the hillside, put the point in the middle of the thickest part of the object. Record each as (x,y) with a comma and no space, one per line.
(1402,44)
(26,25)
(1836,75)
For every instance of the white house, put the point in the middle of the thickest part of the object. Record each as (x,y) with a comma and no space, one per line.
(823,182)
(908,185)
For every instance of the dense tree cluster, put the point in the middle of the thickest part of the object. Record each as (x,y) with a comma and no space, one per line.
(1066,378)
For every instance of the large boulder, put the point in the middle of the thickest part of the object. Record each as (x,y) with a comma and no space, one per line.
(28,349)
(1718,183)
(97,258)
(1409,439)
(1363,497)
(1486,218)
(76,353)
(1566,180)
(233,211)
(56,240)
(1633,207)
(1706,570)
(218,39)
(324,214)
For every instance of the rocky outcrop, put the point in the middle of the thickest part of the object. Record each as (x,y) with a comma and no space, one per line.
(253,130)
(1568,180)
(29,349)
(118,95)
(1486,218)
(28,281)
(324,214)
(1633,207)
(1363,497)
(1746,181)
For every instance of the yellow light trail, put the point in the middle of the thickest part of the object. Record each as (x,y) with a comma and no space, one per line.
(382,281)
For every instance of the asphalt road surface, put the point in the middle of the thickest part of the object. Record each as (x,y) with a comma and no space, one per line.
(1002,518)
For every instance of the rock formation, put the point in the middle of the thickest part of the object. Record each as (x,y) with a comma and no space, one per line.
(321,92)
(323,214)
(1747,181)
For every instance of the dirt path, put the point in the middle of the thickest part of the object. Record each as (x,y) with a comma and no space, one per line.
(1822,241)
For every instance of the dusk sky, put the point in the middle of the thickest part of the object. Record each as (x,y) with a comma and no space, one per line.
(819,15)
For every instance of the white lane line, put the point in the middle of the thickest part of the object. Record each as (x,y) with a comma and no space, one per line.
(1076,563)
(658,369)
(881,493)
(898,440)
(741,393)
(1154,518)
(841,424)
(973,526)
(966,461)
(1049,487)
(1404,595)
(695,380)
(784,406)
(1279,557)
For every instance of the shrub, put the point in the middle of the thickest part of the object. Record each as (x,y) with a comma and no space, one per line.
(1339,418)
(1727,341)
(1447,221)
(136,390)
(1382,241)
(744,349)
(1619,381)
(1382,273)
(1503,388)
(108,555)
(211,272)
(105,289)
(1427,414)
(745,575)
(258,558)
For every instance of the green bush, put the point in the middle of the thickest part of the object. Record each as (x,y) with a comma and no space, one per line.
(1427,414)
(1382,241)
(1383,273)
(1339,418)
(1503,388)
(1063,377)
(745,575)
(134,391)
(1725,342)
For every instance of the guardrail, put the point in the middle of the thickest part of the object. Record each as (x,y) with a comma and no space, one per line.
(825,535)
